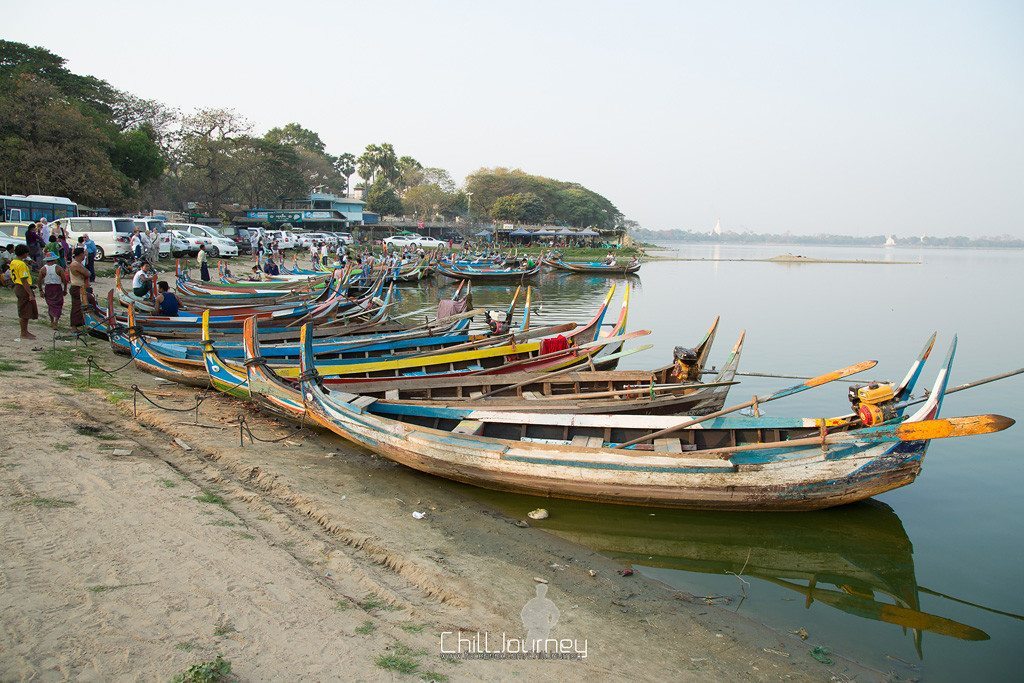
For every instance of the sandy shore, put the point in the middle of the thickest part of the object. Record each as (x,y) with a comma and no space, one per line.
(127,556)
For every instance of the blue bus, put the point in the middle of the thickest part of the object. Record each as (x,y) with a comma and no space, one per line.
(19,208)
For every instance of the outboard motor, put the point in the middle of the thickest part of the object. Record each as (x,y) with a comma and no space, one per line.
(874,403)
(497,321)
(684,362)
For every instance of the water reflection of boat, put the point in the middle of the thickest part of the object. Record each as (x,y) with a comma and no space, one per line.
(857,559)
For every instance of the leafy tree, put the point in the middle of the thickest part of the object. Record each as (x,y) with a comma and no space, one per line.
(48,146)
(345,166)
(378,161)
(521,207)
(383,199)
(295,135)
(136,154)
(208,153)
(271,172)
(488,185)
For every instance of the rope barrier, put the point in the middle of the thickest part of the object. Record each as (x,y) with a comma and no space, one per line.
(136,392)
(244,430)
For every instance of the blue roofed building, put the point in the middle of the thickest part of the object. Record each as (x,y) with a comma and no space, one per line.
(321,211)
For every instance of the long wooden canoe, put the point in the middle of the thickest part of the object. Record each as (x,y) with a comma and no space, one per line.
(730,463)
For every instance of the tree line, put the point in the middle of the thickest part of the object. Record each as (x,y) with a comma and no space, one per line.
(71,135)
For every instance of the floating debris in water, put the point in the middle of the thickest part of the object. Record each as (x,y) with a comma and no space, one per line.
(539,513)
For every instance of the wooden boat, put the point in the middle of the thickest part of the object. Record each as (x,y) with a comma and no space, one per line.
(584,344)
(729,463)
(472,358)
(459,272)
(594,267)
(644,392)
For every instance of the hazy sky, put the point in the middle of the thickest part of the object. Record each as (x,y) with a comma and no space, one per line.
(862,117)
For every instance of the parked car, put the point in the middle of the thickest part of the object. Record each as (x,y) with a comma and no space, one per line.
(12,233)
(158,225)
(183,244)
(216,244)
(111,235)
(344,237)
(399,241)
(240,236)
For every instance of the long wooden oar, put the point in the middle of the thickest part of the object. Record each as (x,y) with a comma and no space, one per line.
(626,392)
(604,341)
(924,430)
(782,393)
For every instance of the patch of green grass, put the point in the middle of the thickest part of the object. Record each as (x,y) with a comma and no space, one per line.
(185,646)
(433,677)
(223,628)
(413,628)
(61,360)
(375,602)
(221,522)
(401,659)
(342,605)
(168,483)
(213,671)
(245,536)
(7,366)
(117,396)
(367,628)
(12,405)
(212,498)
(61,447)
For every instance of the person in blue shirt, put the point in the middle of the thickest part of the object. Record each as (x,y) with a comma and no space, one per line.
(90,256)
(270,268)
(166,300)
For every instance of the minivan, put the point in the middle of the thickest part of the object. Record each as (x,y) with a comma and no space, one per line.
(111,235)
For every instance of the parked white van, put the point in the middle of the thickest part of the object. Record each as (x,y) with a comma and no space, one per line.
(216,243)
(111,235)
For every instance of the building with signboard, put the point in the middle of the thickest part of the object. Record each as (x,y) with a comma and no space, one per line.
(321,211)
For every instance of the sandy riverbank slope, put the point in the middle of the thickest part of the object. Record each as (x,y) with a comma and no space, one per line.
(297,561)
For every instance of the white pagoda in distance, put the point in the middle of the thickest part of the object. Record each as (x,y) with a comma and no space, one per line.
(718,227)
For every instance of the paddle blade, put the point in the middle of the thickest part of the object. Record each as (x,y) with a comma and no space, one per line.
(953,427)
(822,379)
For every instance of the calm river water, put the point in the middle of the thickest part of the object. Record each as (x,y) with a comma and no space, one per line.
(927,581)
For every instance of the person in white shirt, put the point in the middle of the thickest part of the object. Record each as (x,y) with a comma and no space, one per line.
(142,283)
(44,230)
(136,244)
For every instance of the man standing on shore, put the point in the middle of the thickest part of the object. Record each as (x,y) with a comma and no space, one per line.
(90,256)
(78,274)
(22,280)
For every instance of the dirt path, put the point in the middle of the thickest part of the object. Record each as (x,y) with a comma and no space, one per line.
(299,559)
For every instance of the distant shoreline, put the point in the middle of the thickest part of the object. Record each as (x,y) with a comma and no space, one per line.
(791,259)
(659,241)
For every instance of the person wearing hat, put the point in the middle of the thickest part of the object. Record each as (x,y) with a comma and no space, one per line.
(53,286)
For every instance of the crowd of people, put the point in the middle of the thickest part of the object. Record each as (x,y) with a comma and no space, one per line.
(56,276)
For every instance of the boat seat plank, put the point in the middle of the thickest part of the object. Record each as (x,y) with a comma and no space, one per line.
(531,395)
(362,401)
(668,446)
(472,427)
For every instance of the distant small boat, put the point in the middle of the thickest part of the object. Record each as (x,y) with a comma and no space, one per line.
(594,267)
(460,272)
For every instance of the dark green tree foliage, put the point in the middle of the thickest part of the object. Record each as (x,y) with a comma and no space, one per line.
(71,123)
(521,207)
(383,199)
(563,202)
(135,154)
